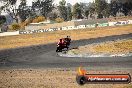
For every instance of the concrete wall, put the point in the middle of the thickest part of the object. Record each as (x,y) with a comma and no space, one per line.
(129,21)
(112,23)
(120,23)
(103,24)
(90,26)
(81,26)
(9,33)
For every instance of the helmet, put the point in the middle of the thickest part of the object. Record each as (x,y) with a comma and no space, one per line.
(68,36)
(61,40)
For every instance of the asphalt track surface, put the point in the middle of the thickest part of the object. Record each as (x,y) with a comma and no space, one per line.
(44,56)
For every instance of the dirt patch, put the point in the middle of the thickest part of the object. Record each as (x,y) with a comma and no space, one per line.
(40,78)
(117,47)
(52,37)
(111,48)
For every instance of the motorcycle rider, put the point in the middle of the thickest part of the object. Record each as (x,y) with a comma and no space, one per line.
(60,45)
(68,40)
(61,42)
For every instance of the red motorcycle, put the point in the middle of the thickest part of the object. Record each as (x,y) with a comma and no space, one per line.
(64,43)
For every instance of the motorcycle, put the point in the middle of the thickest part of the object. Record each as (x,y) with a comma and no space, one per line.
(61,47)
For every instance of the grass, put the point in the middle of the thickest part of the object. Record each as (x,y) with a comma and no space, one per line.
(124,46)
(7,42)
(111,47)
(129,86)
